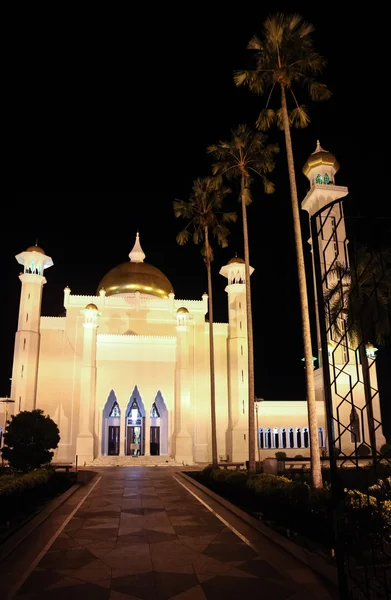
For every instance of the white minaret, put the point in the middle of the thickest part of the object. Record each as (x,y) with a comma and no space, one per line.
(320,170)
(27,339)
(237,433)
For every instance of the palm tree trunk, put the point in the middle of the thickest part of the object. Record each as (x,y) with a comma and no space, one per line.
(316,470)
(211,352)
(251,384)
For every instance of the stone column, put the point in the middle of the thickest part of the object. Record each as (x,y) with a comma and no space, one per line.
(85,438)
(184,440)
(147,437)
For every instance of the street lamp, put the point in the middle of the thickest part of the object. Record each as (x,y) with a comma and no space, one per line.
(5,401)
(370,350)
(256,400)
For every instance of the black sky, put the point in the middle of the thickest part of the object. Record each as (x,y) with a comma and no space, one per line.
(129,101)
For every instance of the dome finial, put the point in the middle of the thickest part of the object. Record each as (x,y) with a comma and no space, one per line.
(318,147)
(137,255)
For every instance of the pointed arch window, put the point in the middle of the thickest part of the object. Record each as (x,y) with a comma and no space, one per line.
(154,412)
(319,178)
(326,179)
(115,411)
(275,438)
(134,412)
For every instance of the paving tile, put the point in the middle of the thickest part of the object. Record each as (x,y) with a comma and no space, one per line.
(195,593)
(171,584)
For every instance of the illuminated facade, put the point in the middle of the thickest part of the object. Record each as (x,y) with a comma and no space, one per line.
(125,372)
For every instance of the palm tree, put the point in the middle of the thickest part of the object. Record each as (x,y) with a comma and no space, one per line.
(204,214)
(243,156)
(285,57)
(358,309)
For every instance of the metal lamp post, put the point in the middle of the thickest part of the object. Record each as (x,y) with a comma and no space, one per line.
(5,401)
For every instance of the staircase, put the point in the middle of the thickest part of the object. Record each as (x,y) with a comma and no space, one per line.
(134,461)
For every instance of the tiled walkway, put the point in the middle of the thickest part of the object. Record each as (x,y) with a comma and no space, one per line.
(141,535)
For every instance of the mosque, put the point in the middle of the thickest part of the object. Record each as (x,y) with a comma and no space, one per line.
(125,373)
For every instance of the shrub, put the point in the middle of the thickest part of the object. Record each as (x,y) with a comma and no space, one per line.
(280,455)
(363,450)
(385,450)
(29,437)
(299,457)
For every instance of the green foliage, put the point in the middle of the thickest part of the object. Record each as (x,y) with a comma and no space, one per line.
(280,455)
(28,439)
(385,450)
(299,457)
(14,484)
(284,57)
(363,450)
(205,215)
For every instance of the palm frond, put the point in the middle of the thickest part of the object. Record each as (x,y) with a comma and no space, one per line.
(268,186)
(230,217)
(299,117)
(319,91)
(254,43)
(183,237)
(266,118)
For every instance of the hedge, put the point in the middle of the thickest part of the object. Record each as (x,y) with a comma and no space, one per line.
(21,494)
(295,507)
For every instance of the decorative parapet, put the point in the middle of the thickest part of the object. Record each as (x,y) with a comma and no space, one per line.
(82,300)
(135,339)
(54,323)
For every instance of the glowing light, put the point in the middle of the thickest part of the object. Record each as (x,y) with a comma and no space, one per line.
(134,414)
(370,350)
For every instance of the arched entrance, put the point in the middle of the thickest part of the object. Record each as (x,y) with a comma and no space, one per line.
(159,427)
(111,426)
(135,425)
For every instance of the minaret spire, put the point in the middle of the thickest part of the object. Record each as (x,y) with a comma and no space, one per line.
(137,254)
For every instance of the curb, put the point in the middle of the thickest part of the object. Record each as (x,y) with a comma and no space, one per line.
(24,531)
(311,560)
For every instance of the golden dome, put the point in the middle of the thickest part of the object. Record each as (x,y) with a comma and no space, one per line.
(91,307)
(320,157)
(131,277)
(182,309)
(35,249)
(235,259)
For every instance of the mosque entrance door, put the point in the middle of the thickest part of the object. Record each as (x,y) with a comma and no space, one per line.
(113,441)
(134,441)
(155,441)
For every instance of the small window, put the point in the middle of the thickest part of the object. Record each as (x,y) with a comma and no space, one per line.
(154,412)
(20,402)
(21,373)
(24,344)
(241,350)
(306,438)
(321,437)
(268,438)
(326,179)
(242,376)
(319,178)
(275,438)
(283,438)
(28,297)
(240,324)
(115,411)
(260,438)
(27,317)
(298,437)
(291,438)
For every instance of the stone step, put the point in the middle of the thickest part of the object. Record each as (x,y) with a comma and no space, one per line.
(132,461)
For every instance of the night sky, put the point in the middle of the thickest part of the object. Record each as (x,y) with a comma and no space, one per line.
(129,102)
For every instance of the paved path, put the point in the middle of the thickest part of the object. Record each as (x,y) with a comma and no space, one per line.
(141,535)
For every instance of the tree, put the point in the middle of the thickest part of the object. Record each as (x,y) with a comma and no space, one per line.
(285,57)
(205,216)
(243,156)
(29,437)
(358,308)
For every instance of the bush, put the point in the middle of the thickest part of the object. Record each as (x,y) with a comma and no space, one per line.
(20,494)
(299,457)
(280,455)
(29,437)
(385,450)
(363,450)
